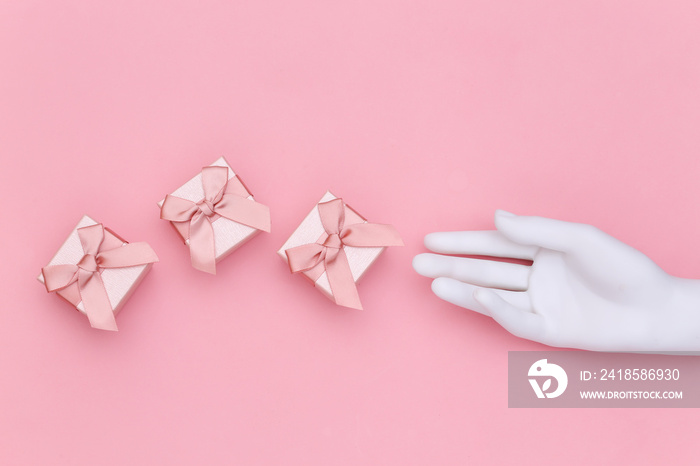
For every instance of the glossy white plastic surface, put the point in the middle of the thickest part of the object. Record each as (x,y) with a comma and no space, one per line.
(584,289)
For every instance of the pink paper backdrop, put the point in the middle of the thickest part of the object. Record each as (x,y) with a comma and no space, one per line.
(424,114)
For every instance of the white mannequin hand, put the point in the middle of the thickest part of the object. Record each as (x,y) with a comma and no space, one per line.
(585,289)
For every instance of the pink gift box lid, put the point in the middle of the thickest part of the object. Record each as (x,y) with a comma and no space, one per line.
(119,282)
(229,235)
(311,228)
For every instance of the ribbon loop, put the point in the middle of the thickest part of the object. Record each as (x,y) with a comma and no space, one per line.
(86,274)
(328,253)
(91,238)
(223,197)
(214,182)
(332,215)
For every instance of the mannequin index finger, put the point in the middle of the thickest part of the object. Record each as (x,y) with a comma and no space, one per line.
(478,243)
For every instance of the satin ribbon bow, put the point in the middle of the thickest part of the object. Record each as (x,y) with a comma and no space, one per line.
(222,198)
(327,253)
(86,274)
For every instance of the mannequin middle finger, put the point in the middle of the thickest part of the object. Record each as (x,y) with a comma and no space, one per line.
(482,272)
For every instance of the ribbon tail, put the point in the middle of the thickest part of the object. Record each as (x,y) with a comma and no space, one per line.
(202,245)
(128,255)
(342,283)
(245,211)
(96,302)
(371,235)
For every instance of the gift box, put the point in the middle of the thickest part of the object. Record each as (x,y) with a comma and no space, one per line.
(334,246)
(96,271)
(214,213)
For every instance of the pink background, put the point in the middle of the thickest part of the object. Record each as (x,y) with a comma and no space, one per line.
(427,115)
